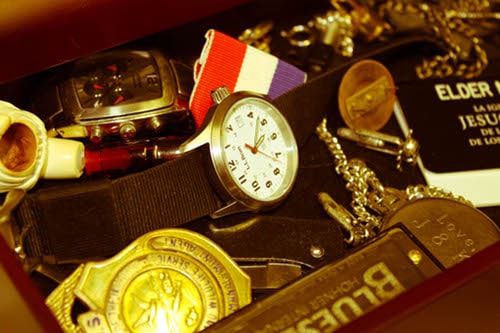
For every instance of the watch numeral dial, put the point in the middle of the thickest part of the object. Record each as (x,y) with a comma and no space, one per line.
(262,147)
(232,165)
(255,185)
(242,179)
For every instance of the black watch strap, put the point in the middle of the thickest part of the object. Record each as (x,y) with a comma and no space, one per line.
(99,218)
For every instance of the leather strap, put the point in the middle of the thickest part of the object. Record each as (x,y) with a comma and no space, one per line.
(98,218)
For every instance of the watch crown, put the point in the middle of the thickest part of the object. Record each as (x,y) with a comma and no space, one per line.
(219,94)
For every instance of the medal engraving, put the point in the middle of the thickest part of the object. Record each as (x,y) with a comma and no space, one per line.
(452,231)
(171,280)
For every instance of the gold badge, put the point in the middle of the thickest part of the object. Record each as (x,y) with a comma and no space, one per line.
(169,280)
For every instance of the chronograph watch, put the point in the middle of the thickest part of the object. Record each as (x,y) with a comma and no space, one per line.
(124,93)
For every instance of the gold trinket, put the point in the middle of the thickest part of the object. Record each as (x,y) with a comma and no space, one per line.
(258,36)
(299,35)
(364,20)
(335,29)
(169,280)
(449,22)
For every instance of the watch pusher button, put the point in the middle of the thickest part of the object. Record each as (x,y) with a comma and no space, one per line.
(127,130)
(96,134)
(155,124)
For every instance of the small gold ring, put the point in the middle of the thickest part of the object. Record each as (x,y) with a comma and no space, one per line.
(299,35)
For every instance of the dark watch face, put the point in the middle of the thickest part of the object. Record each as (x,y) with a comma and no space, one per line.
(118,84)
(118,81)
(125,93)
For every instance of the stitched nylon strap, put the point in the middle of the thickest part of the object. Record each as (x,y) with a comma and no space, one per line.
(99,218)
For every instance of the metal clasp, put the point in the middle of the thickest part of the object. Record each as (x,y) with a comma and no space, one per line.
(357,233)
(386,201)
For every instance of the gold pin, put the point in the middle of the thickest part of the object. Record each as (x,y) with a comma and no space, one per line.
(406,149)
(369,26)
(366,95)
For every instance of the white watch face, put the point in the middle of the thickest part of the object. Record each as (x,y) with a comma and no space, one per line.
(258,149)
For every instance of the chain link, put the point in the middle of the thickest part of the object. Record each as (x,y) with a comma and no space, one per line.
(415,192)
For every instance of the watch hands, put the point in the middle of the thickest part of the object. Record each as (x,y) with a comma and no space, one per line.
(256,150)
(118,100)
(259,141)
(256,132)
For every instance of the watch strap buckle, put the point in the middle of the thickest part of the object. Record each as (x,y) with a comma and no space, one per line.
(14,235)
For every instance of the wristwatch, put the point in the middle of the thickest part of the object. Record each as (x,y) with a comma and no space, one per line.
(121,93)
(252,148)
(244,158)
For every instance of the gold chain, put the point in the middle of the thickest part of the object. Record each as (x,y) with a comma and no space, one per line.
(447,26)
(420,191)
(367,189)
(357,176)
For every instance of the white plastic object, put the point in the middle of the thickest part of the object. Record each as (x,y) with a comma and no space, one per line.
(65,159)
(25,152)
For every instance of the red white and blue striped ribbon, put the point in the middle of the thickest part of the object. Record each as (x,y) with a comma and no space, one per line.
(225,61)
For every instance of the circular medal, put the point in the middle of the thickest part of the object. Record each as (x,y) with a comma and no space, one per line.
(366,95)
(170,280)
